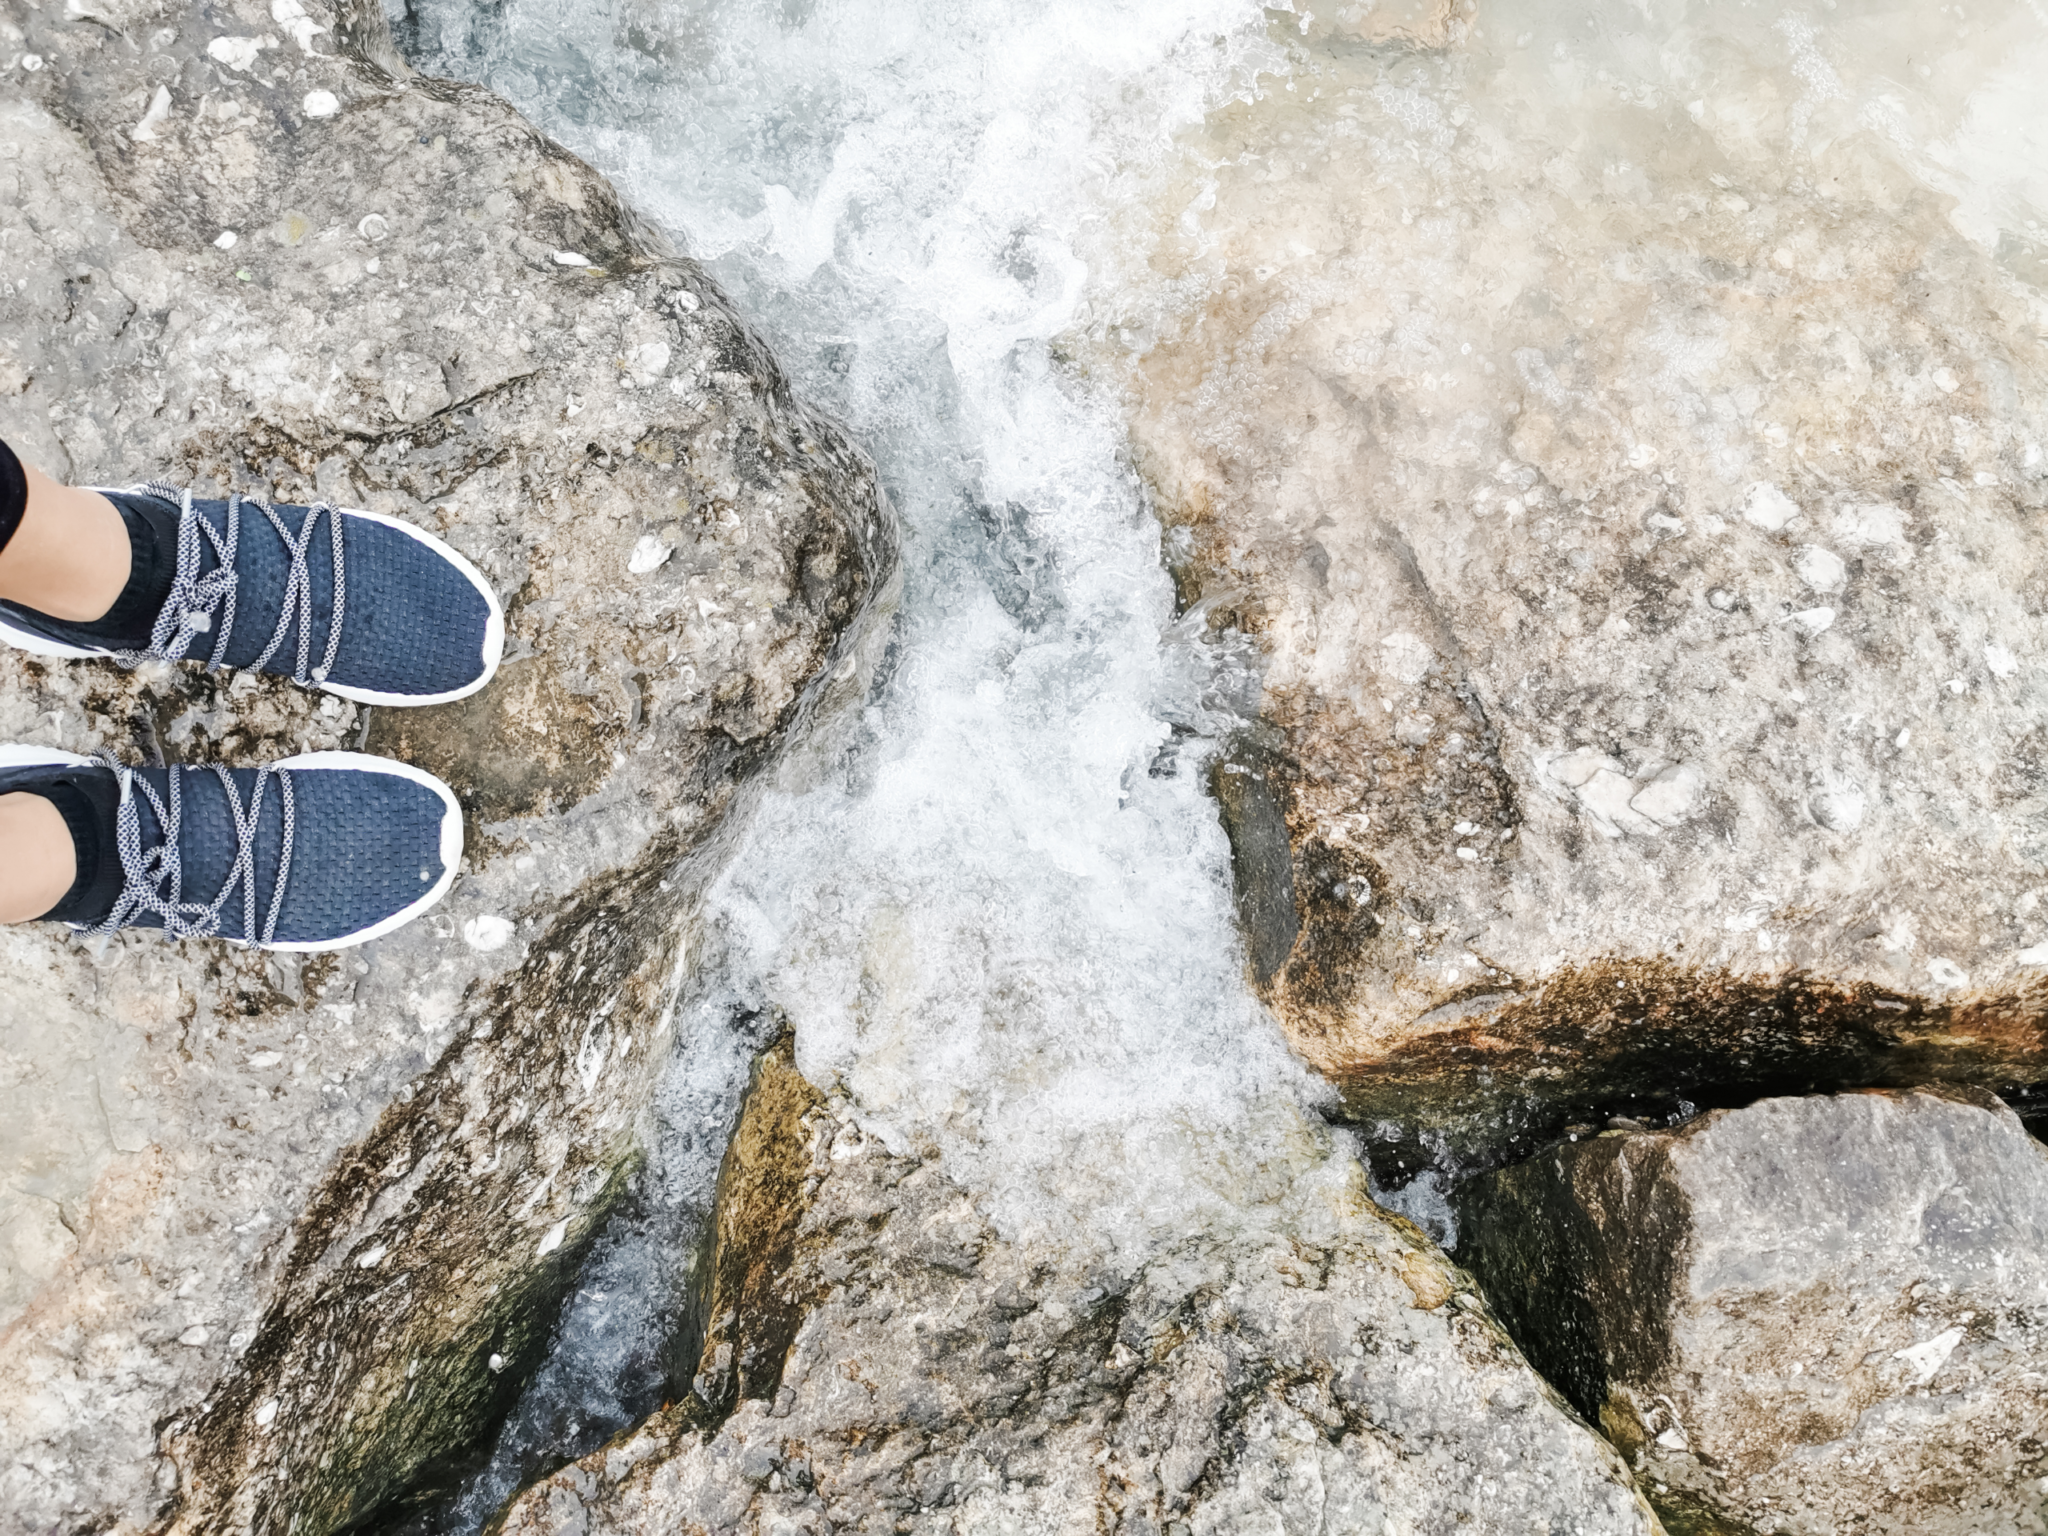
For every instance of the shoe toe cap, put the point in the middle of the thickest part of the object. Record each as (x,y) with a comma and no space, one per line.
(376,844)
(422,624)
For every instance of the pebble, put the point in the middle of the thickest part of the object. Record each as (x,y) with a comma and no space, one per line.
(571,259)
(487,932)
(159,108)
(237,53)
(31,62)
(321,104)
(1768,507)
(1926,1360)
(1946,973)
(648,554)
(1811,621)
(225,240)
(1670,797)
(300,27)
(1820,569)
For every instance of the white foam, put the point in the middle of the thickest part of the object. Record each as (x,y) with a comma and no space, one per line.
(993,924)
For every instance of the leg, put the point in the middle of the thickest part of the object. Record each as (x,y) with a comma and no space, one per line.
(39,863)
(68,556)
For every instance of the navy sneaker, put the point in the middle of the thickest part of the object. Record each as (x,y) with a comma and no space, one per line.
(355,603)
(316,852)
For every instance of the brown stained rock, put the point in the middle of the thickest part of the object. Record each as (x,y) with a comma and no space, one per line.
(1642,518)
(1336,1376)
(1805,1316)
(278,1238)
(751,1309)
(1643,1032)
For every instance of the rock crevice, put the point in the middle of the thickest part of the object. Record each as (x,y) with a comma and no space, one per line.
(1334,1373)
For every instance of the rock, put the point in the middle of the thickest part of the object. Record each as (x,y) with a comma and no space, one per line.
(1635,478)
(893,1363)
(1810,1315)
(278,1237)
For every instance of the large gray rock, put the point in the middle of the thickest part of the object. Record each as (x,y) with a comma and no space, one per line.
(1624,431)
(879,1359)
(1808,1316)
(275,1236)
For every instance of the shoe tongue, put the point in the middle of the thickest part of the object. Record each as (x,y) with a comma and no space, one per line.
(87,801)
(152,567)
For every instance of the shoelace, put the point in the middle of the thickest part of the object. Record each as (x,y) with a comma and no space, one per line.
(154,881)
(194,599)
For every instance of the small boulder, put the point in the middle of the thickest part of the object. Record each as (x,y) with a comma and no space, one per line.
(1811,1315)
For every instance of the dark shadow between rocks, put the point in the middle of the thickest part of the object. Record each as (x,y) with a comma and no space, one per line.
(1653,1041)
(733,1333)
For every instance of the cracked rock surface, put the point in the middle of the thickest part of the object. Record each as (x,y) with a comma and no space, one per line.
(1632,463)
(277,1234)
(1805,1316)
(907,1369)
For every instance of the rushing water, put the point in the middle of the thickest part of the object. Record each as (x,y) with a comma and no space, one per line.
(995,907)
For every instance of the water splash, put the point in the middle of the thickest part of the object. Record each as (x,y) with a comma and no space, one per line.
(994,901)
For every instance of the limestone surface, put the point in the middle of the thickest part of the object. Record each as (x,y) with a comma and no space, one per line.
(1806,1316)
(899,1366)
(278,1235)
(1624,431)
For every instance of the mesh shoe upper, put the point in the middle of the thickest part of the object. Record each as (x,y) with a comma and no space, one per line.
(418,623)
(368,840)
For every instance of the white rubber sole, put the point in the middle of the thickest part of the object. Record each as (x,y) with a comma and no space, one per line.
(493,645)
(42,645)
(15,755)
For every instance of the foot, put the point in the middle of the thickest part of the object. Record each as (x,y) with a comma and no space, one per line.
(316,852)
(354,603)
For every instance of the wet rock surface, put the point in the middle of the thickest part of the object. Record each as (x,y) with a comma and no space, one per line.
(1807,1315)
(1632,464)
(1338,1377)
(277,1236)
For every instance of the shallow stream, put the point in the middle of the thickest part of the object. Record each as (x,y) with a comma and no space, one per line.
(996,906)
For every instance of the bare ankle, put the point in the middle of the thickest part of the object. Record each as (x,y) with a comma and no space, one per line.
(40,862)
(69,558)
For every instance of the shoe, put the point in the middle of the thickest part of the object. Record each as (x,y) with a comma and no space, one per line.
(355,603)
(316,852)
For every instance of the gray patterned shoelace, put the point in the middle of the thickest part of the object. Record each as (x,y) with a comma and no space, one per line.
(195,600)
(153,881)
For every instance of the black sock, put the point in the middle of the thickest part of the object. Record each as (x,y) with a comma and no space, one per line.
(152,566)
(13,494)
(88,805)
